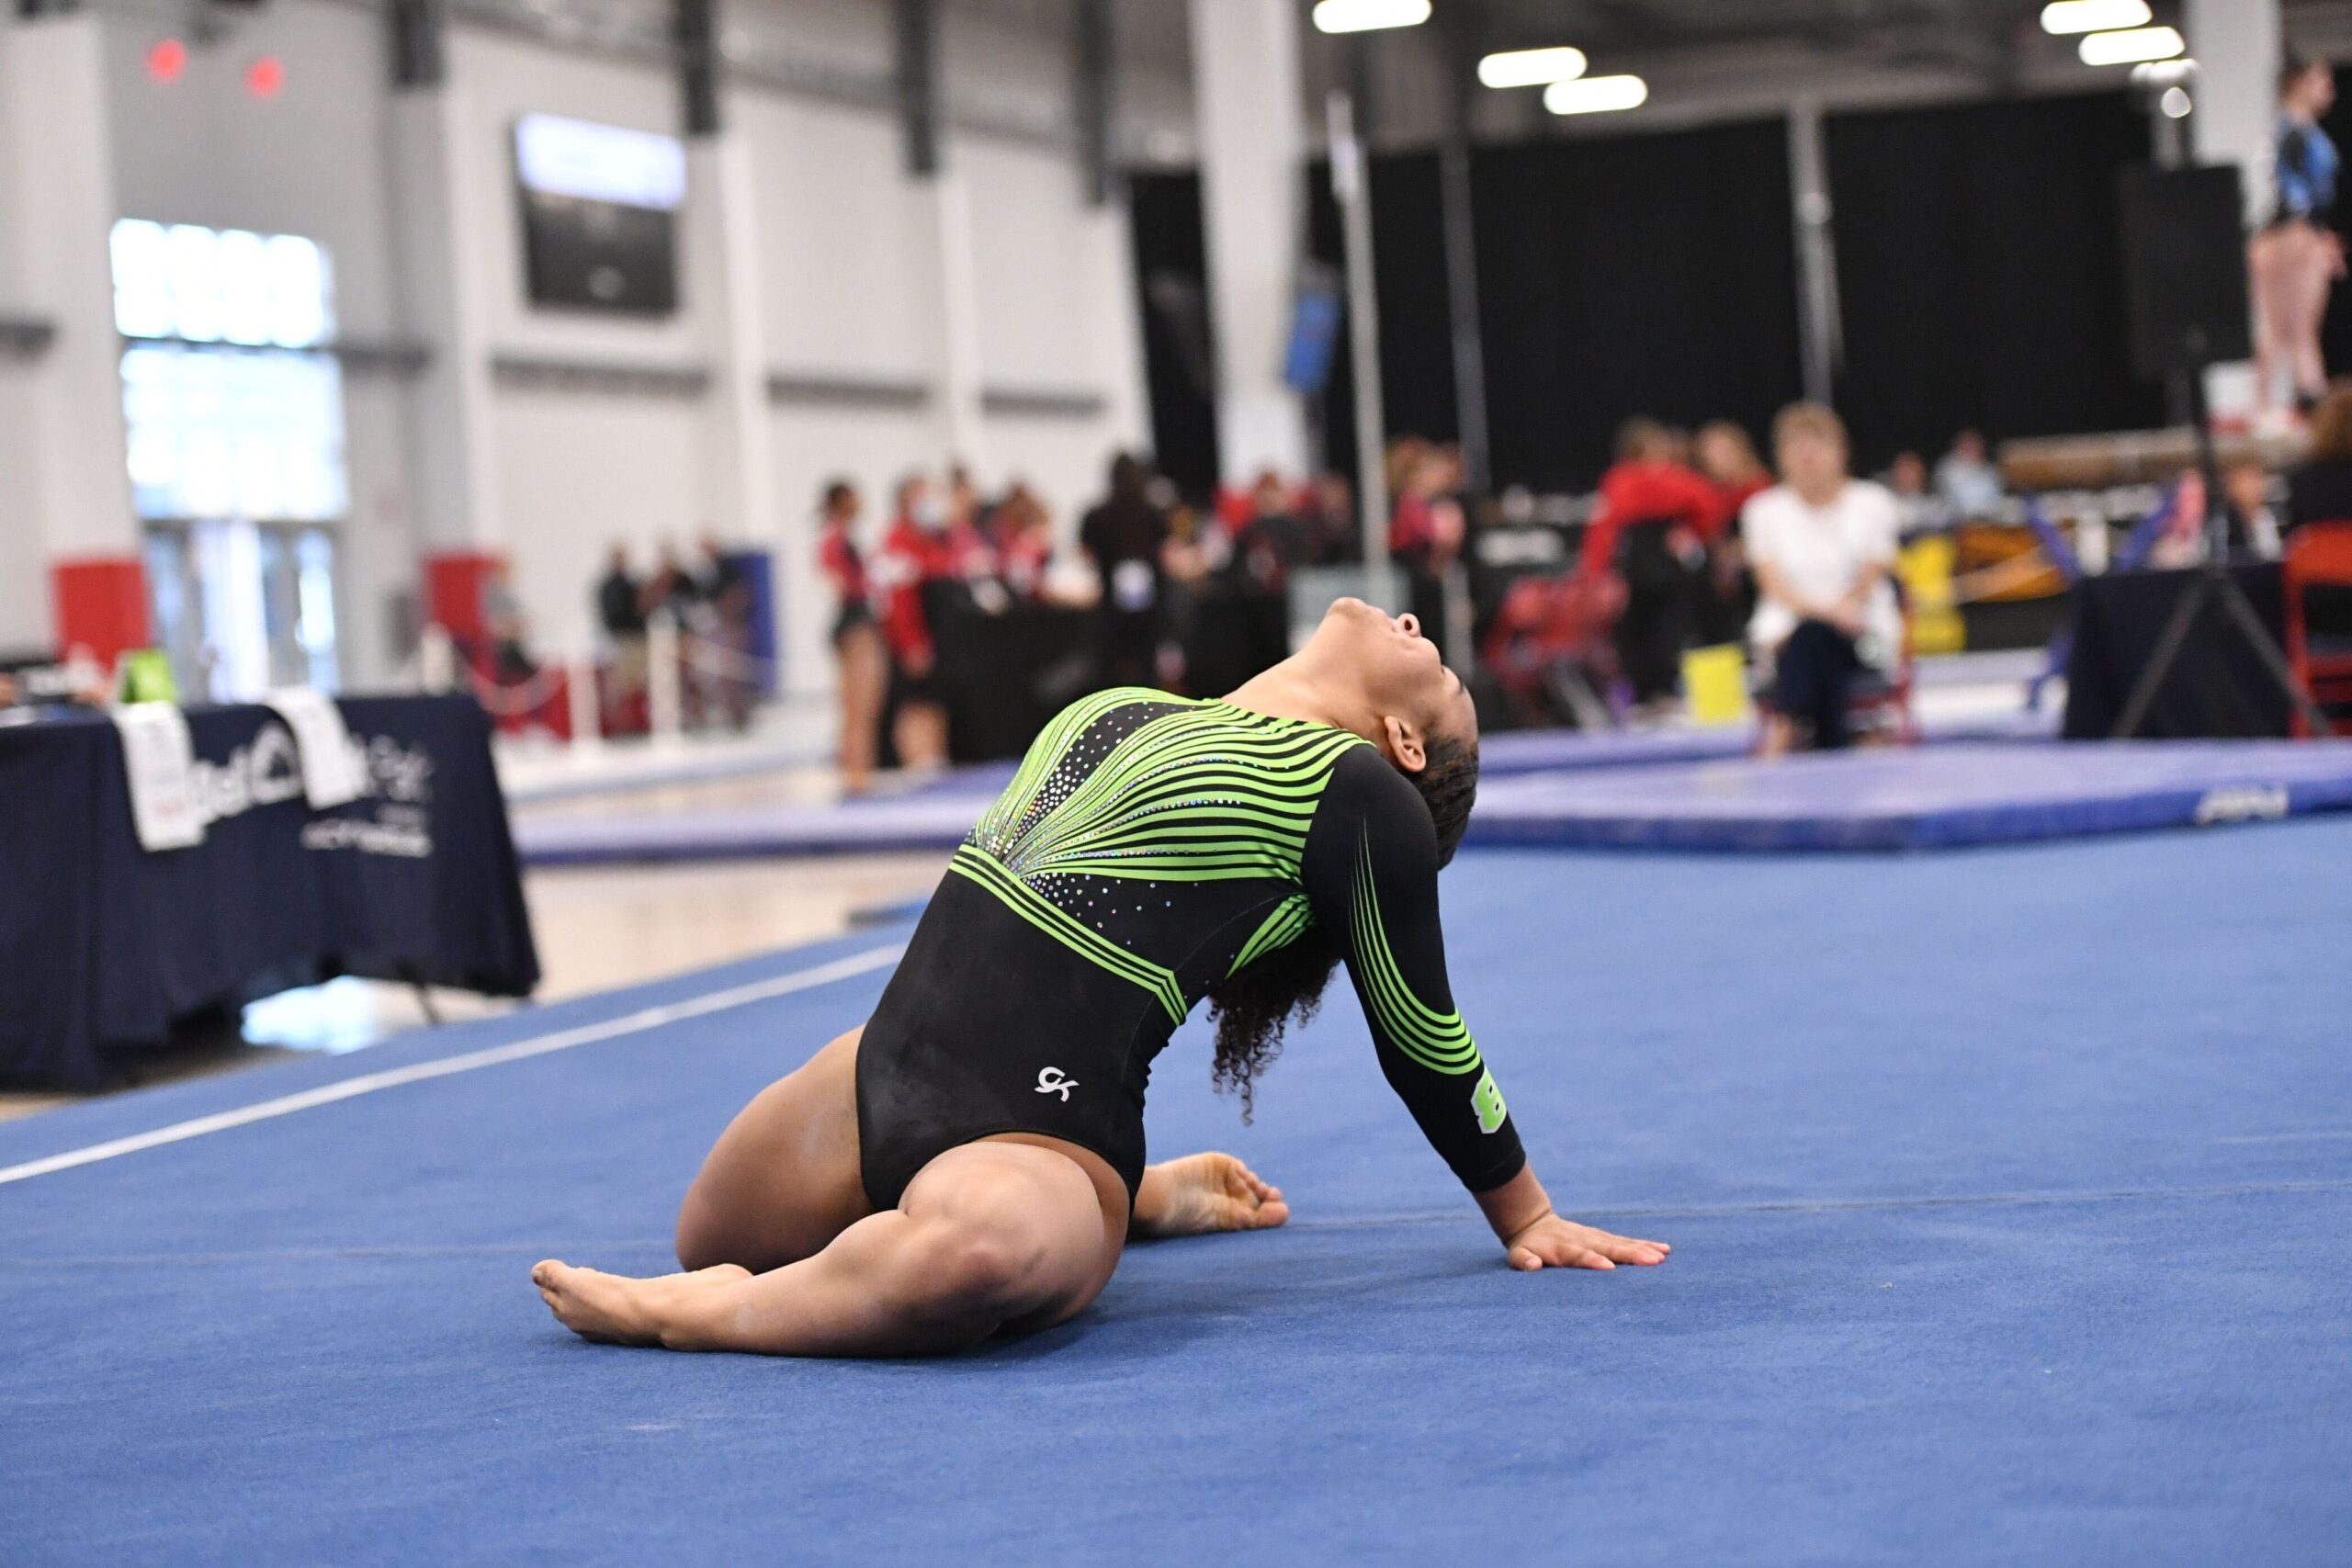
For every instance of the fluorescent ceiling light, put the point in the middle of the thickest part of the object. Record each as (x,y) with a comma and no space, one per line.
(2064,17)
(1530,67)
(1365,15)
(1596,95)
(2126,48)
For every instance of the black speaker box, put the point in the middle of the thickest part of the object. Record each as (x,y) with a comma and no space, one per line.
(2184,268)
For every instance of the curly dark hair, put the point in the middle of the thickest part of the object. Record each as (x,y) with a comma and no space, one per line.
(1253,1010)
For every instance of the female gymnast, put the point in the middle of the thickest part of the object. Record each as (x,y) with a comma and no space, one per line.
(971,1161)
(2297,256)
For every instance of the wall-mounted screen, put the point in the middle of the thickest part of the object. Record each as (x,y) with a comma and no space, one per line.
(599,206)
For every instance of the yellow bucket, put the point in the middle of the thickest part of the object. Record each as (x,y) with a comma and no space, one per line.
(1715,681)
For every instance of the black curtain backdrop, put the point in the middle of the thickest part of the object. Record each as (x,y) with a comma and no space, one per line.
(1171,292)
(1416,316)
(1648,275)
(1980,267)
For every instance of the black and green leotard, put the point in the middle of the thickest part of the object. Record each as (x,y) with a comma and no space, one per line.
(1149,847)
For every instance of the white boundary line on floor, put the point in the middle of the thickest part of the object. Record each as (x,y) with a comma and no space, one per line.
(471,1061)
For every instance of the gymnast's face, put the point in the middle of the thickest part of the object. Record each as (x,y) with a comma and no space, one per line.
(1413,695)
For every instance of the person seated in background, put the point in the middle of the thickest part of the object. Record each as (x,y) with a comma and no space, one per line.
(1967,481)
(1918,509)
(966,509)
(1334,533)
(670,590)
(2252,521)
(1271,539)
(1822,545)
(1727,459)
(620,610)
(2319,489)
(1021,536)
(918,554)
(1426,529)
(1651,527)
(724,679)
(511,661)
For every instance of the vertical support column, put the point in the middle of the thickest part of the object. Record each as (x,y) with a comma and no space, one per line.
(947,214)
(443,291)
(1820,332)
(1094,93)
(1351,185)
(722,247)
(78,492)
(1246,87)
(1460,42)
(2239,49)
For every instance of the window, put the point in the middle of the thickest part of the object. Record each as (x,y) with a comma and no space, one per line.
(221,286)
(234,417)
(255,433)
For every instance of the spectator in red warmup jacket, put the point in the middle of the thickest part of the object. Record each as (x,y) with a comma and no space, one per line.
(918,554)
(1652,527)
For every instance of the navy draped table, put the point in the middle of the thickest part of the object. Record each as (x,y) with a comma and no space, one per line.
(105,945)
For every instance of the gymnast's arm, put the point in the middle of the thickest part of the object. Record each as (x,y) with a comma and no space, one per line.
(1371,874)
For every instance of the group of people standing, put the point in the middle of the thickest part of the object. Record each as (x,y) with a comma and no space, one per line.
(710,603)
(883,635)
(1146,565)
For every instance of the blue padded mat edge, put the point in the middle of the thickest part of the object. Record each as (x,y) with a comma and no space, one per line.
(1947,796)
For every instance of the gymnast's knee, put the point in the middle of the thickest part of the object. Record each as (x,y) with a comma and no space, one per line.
(980,1268)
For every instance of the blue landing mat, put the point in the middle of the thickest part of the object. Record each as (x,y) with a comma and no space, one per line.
(1922,798)
(1943,796)
(2011,1196)
(1512,752)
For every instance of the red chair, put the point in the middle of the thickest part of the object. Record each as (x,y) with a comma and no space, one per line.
(2318,554)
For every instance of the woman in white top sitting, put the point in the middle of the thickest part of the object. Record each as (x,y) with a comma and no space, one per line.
(1821,545)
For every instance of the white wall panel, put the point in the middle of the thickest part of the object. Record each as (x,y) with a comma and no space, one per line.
(309,160)
(1036,281)
(24,565)
(578,471)
(1056,314)
(850,283)
(24,570)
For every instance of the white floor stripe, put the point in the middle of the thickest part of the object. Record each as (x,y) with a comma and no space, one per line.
(491,1056)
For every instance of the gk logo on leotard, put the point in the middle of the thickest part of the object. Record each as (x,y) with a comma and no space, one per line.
(1052,1080)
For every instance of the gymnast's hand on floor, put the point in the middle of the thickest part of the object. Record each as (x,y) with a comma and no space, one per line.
(1552,1242)
(1204,1192)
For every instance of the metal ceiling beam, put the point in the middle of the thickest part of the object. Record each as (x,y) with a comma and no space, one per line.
(694,27)
(1094,72)
(918,45)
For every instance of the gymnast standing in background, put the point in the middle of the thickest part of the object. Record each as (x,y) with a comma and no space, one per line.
(2295,258)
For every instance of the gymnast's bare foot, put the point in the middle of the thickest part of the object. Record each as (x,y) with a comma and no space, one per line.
(1206,1192)
(612,1309)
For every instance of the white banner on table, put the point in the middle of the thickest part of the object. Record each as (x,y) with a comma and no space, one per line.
(159,763)
(334,773)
